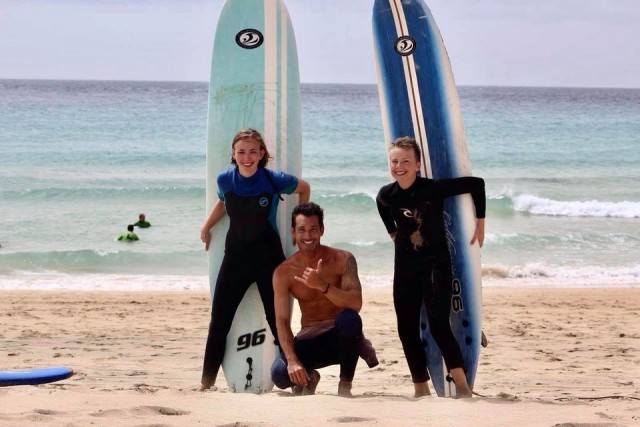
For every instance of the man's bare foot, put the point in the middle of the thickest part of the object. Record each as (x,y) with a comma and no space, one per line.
(310,388)
(421,389)
(314,379)
(344,388)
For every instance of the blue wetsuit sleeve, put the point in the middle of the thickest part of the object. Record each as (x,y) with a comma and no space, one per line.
(223,183)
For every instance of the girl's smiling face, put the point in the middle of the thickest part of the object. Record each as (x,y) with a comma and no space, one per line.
(403,165)
(247,155)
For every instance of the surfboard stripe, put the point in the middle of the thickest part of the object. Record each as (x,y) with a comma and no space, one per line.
(283,125)
(413,92)
(270,75)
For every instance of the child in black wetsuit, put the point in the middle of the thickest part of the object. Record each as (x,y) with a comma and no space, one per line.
(412,211)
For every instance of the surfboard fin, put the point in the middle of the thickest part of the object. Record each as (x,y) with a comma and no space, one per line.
(249,376)
(483,340)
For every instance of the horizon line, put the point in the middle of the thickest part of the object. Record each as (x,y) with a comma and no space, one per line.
(310,83)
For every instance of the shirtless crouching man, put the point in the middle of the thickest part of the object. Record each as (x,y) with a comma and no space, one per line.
(325,282)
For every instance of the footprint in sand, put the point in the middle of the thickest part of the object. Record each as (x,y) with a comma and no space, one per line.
(47,412)
(509,397)
(160,410)
(140,410)
(108,413)
(147,389)
(243,424)
(352,420)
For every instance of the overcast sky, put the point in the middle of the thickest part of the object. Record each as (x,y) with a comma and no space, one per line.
(580,43)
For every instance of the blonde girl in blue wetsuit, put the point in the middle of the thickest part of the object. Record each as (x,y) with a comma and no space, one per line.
(411,209)
(249,193)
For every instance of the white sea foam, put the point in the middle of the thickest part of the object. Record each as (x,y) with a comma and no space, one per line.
(593,208)
(52,281)
(367,243)
(544,275)
(534,275)
(353,194)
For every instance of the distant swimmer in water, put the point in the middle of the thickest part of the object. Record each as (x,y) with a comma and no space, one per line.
(142,222)
(129,235)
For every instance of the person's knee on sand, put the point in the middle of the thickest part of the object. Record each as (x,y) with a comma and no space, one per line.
(280,375)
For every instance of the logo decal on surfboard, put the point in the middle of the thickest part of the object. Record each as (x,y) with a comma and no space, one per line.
(405,45)
(457,305)
(249,38)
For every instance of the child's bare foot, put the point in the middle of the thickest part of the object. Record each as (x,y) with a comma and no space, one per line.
(460,394)
(344,388)
(462,387)
(421,389)
(207,385)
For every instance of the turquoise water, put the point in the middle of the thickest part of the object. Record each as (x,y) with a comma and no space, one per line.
(80,160)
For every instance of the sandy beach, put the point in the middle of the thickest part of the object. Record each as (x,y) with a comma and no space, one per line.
(555,357)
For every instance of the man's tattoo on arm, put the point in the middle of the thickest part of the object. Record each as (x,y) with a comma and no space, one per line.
(350,280)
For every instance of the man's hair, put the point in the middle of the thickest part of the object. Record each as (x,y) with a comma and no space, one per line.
(307,209)
(130,227)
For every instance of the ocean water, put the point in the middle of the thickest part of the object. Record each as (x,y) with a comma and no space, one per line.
(80,160)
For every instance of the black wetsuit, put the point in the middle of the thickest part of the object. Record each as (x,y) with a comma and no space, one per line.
(422,268)
(252,252)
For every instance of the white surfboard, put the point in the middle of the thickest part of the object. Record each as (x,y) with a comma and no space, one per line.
(418,98)
(254,83)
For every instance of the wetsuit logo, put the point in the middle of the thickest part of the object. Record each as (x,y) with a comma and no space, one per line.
(264,202)
(405,45)
(249,38)
(407,212)
(457,305)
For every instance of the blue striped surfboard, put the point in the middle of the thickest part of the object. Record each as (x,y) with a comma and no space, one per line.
(418,98)
(254,83)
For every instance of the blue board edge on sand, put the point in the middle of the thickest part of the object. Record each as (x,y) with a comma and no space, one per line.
(34,376)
